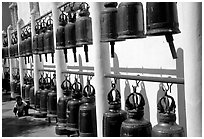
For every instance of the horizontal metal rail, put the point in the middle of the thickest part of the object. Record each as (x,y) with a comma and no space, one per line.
(147,78)
(49,12)
(79,73)
(27,69)
(49,70)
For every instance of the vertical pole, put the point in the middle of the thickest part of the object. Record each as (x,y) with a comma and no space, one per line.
(20,23)
(11,61)
(36,62)
(192,42)
(101,67)
(59,61)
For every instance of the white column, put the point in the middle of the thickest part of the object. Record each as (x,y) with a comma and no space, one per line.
(36,61)
(101,67)
(20,23)
(192,44)
(59,60)
(11,60)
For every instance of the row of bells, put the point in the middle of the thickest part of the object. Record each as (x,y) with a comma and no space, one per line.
(131,123)
(117,24)
(127,22)
(76,110)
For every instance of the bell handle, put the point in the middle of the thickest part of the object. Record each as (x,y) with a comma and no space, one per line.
(117,97)
(62,18)
(163,104)
(66,84)
(136,103)
(88,91)
(77,86)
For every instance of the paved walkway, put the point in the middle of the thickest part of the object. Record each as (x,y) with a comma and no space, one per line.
(28,126)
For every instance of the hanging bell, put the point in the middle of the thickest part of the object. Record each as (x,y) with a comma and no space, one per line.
(52,98)
(73,105)
(12,49)
(49,40)
(135,125)
(162,19)
(60,35)
(15,47)
(87,113)
(5,53)
(35,39)
(167,126)
(130,20)
(108,20)
(113,118)
(61,128)
(83,26)
(21,45)
(28,44)
(41,39)
(70,37)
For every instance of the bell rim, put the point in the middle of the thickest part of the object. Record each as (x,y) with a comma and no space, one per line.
(139,36)
(160,32)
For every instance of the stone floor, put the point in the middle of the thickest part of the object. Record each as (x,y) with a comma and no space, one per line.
(28,126)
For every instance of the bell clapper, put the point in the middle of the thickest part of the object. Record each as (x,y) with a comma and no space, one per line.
(170,39)
(112,43)
(86,52)
(74,52)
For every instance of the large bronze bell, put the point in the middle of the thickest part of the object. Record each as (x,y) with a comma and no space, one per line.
(73,105)
(49,40)
(70,37)
(52,98)
(28,43)
(83,28)
(167,126)
(113,118)
(162,19)
(61,128)
(109,24)
(87,112)
(5,49)
(35,39)
(41,38)
(60,34)
(12,49)
(135,125)
(130,20)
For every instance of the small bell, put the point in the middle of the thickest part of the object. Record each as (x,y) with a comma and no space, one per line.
(162,19)
(83,26)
